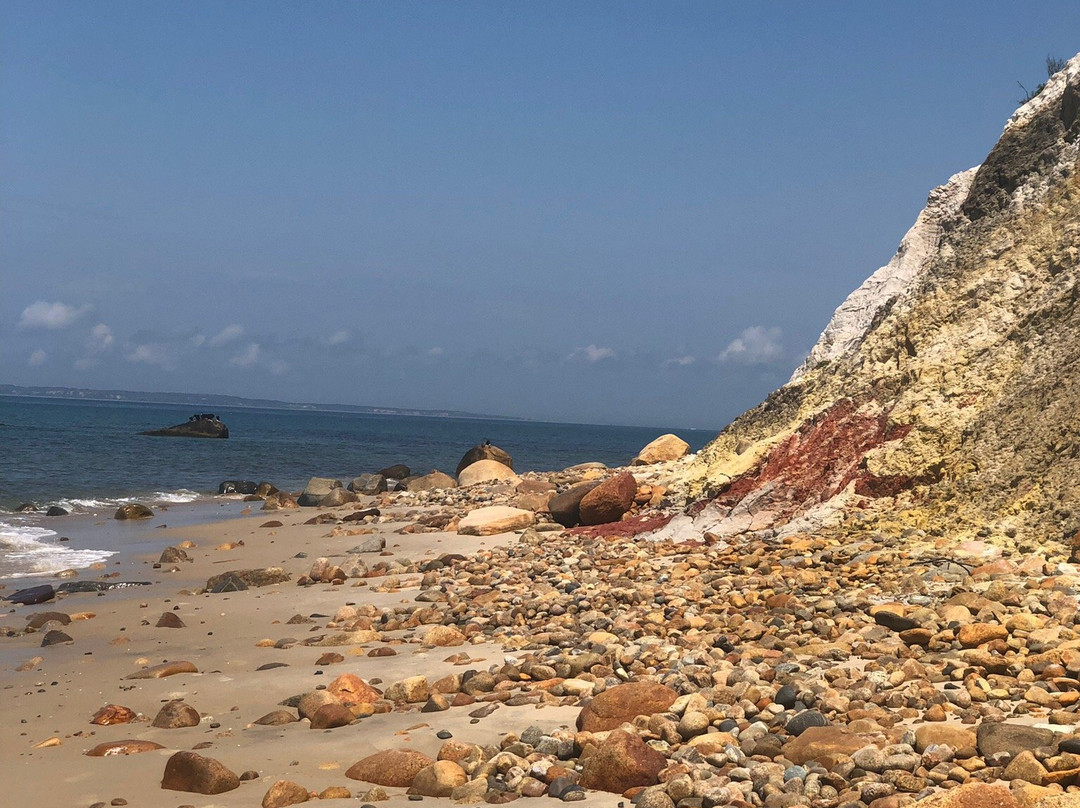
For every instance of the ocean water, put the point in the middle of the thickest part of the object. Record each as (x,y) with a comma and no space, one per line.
(88,457)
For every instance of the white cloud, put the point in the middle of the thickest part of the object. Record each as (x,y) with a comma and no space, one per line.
(436,351)
(247,357)
(591,353)
(198,340)
(229,333)
(50,315)
(679,361)
(152,353)
(101,338)
(338,337)
(38,357)
(756,345)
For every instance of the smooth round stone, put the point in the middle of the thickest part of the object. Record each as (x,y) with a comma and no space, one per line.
(795,773)
(801,722)
(786,696)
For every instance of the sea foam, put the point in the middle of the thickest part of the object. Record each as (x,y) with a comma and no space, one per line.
(27,551)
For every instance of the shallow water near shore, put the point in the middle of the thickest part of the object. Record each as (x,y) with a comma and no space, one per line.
(33,546)
(87,457)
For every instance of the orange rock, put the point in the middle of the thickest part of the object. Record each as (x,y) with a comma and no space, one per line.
(350,689)
(127,747)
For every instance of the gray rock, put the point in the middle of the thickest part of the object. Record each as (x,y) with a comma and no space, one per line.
(238,487)
(368,484)
(1012,738)
(372,544)
(316,489)
(800,722)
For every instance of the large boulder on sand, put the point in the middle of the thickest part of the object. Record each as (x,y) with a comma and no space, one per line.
(662,450)
(485,471)
(316,489)
(336,498)
(484,451)
(393,768)
(439,779)
(495,519)
(609,500)
(429,482)
(187,771)
(622,762)
(565,508)
(623,703)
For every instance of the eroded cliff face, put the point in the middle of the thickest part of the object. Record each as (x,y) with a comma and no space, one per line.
(944,395)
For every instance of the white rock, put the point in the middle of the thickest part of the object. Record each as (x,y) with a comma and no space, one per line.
(484,471)
(495,519)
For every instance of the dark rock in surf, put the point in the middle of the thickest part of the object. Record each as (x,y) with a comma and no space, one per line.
(26,507)
(133,510)
(399,471)
(56,510)
(238,487)
(200,425)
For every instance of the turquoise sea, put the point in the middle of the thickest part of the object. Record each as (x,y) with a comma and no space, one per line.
(87,456)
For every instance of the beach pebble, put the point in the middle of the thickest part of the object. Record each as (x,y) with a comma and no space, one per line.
(276,718)
(56,637)
(176,715)
(438,779)
(113,714)
(331,716)
(39,619)
(163,670)
(169,620)
(283,793)
(173,555)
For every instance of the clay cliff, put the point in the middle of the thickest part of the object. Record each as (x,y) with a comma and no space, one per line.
(944,395)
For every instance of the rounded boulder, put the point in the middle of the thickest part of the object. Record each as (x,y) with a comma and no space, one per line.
(609,500)
(486,471)
(623,703)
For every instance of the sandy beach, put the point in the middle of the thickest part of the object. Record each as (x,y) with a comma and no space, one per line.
(452,644)
(53,692)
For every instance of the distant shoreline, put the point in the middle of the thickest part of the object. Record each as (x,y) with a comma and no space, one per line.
(210,400)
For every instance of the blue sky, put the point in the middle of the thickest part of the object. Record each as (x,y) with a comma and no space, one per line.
(635,213)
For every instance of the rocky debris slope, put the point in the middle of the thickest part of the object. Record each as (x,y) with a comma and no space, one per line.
(943,394)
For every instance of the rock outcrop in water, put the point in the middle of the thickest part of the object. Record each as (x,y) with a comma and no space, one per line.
(943,394)
(200,425)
